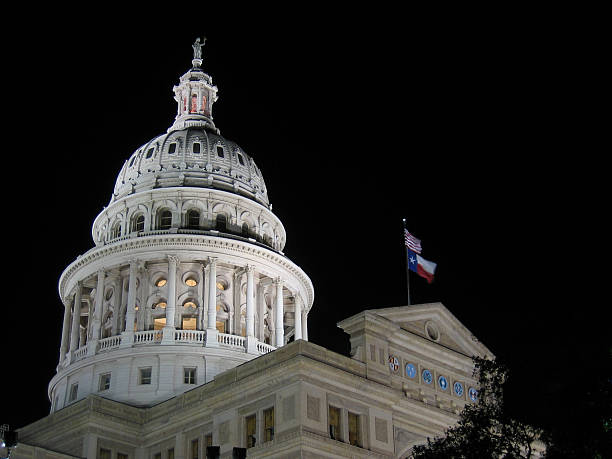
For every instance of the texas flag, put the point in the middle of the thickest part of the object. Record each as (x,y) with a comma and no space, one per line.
(421,266)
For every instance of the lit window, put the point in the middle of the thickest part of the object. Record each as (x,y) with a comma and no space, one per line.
(145,376)
(194,103)
(105,380)
(161,304)
(105,453)
(189,375)
(354,429)
(189,323)
(122,456)
(251,429)
(159,323)
(196,147)
(74,390)
(220,286)
(189,304)
(191,282)
(161,282)
(172,148)
(208,440)
(334,423)
(220,152)
(165,220)
(170,453)
(268,419)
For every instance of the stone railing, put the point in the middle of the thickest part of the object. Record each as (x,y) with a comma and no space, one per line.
(147,336)
(80,352)
(190,336)
(106,344)
(228,340)
(264,348)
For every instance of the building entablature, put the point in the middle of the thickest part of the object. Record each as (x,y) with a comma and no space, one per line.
(188,209)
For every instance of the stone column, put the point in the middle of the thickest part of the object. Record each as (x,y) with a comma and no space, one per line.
(76,319)
(211,328)
(305,325)
(97,316)
(65,332)
(279,327)
(251,341)
(127,337)
(297,315)
(200,325)
(168,331)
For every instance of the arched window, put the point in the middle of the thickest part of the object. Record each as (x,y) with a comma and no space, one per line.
(221,222)
(194,103)
(165,220)
(193,219)
(196,148)
(138,222)
(222,318)
(245,229)
(116,230)
(204,109)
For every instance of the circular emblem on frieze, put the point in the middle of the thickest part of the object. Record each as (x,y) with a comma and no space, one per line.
(427,377)
(473,394)
(393,363)
(458,389)
(410,370)
(442,383)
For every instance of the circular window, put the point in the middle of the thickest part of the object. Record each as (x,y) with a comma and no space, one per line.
(473,394)
(432,331)
(191,282)
(442,383)
(410,370)
(221,284)
(427,377)
(189,304)
(458,389)
(161,304)
(161,282)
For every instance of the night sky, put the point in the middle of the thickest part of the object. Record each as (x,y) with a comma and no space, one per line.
(479,133)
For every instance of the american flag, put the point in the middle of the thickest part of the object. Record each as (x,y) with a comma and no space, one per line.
(412,242)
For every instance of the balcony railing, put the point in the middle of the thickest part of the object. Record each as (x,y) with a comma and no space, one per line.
(154,337)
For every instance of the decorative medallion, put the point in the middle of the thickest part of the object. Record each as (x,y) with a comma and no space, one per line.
(427,377)
(458,388)
(410,370)
(393,363)
(442,383)
(473,393)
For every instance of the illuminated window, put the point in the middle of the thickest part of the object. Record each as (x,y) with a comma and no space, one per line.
(122,456)
(268,420)
(105,453)
(251,429)
(189,375)
(165,220)
(159,323)
(208,440)
(191,282)
(354,429)
(221,285)
(204,104)
(172,148)
(170,454)
(104,383)
(161,282)
(189,323)
(161,304)
(144,376)
(194,103)
(334,423)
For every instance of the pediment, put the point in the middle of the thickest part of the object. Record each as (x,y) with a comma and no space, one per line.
(434,322)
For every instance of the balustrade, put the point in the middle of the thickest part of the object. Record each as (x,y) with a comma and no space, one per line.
(109,343)
(231,340)
(190,336)
(147,336)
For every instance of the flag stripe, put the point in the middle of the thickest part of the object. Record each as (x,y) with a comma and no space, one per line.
(412,242)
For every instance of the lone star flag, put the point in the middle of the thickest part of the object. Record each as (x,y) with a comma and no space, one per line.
(421,266)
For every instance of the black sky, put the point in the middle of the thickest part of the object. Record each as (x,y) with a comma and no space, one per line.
(481,133)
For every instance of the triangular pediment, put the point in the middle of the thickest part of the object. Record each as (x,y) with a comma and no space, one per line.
(434,322)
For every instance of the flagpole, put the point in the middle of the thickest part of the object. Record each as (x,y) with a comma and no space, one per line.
(407,264)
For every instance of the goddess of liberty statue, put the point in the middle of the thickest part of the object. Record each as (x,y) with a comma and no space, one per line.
(197,48)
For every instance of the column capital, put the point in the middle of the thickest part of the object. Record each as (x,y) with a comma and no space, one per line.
(249,268)
(277,281)
(173,259)
(212,261)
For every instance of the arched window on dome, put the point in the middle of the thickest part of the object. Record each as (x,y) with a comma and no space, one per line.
(165,220)
(245,229)
(193,219)
(194,103)
(138,223)
(222,318)
(196,148)
(221,223)
(204,107)
(115,230)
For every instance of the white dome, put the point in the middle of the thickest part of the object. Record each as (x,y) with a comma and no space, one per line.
(191,157)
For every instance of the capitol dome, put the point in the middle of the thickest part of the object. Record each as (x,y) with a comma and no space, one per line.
(187,277)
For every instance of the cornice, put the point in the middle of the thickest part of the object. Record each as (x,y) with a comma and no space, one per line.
(184,242)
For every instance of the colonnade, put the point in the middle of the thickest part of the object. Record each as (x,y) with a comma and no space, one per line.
(207,309)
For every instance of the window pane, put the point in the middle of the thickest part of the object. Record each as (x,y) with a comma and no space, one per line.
(171,453)
(251,429)
(354,432)
(196,147)
(195,449)
(145,375)
(268,416)
(334,423)
(172,149)
(105,453)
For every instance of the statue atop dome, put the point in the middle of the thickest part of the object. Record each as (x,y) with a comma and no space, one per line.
(197,48)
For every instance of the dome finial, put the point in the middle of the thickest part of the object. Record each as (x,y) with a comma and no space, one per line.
(197,52)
